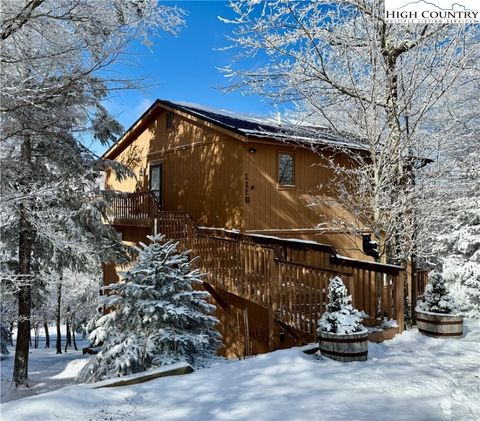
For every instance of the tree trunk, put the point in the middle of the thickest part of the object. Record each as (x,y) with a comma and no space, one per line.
(68,339)
(26,236)
(59,302)
(47,334)
(73,337)
(37,335)
(413,291)
(20,370)
(69,332)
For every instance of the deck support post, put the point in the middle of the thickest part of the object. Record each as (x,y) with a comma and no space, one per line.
(274,303)
(271,331)
(399,301)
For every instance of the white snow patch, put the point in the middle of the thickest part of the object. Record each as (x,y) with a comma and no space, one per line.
(411,377)
(71,369)
(47,370)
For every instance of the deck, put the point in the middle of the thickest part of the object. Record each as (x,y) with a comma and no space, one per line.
(287,278)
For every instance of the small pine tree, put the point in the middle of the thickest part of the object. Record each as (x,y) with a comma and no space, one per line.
(158,318)
(436,298)
(340,316)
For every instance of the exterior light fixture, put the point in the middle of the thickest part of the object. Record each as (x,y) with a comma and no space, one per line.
(370,247)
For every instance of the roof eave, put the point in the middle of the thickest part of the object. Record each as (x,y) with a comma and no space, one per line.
(122,142)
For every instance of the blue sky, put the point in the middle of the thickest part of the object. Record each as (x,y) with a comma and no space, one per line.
(183,68)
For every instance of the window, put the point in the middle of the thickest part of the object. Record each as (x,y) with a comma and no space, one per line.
(156,182)
(286,169)
(170,118)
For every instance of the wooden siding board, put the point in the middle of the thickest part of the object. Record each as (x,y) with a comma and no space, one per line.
(202,170)
(284,209)
(204,175)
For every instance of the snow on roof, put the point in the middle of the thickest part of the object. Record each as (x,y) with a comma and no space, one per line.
(268,127)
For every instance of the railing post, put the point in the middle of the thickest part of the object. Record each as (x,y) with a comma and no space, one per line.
(274,303)
(271,330)
(414,290)
(399,301)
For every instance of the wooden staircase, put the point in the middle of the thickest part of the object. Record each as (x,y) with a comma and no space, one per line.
(287,279)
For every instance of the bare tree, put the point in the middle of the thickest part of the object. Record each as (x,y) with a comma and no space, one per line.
(375,83)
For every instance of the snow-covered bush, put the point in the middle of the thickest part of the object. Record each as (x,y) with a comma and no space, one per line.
(340,316)
(459,251)
(157,317)
(436,298)
(5,338)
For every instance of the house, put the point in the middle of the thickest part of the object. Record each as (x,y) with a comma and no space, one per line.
(235,190)
(231,172)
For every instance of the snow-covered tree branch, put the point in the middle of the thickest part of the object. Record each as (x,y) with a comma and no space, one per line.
(388,86)
(55,61)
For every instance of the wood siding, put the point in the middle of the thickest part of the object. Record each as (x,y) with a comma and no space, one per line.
(202,169)
(282,211)
(134,157)
(223,180)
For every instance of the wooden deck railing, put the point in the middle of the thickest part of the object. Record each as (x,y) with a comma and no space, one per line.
(139,209)
(287,276)
(421,278)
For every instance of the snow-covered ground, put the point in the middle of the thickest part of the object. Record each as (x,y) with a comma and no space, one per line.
(411,377)
(47,370)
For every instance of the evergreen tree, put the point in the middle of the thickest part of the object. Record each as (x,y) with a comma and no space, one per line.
(459,251)
(436,298)
(340,316)
(157,316)
(55,54)
(458,248)
(52,218)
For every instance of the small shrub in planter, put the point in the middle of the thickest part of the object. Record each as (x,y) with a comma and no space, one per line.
(436,313)
(341,334)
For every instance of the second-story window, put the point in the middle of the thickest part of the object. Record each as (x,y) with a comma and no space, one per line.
(286,169)
(170,119)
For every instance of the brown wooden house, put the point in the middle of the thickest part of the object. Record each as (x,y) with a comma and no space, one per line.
(230,188)
(230,172)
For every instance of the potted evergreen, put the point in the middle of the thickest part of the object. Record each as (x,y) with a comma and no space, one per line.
(436,312)
(341,334)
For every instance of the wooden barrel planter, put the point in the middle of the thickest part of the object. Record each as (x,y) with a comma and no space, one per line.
(440,325)
(351,347)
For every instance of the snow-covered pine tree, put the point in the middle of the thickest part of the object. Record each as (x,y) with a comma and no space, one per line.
(157,316)
(459,249)
(341,317)
(453,233)
(436,298)
(53,87)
